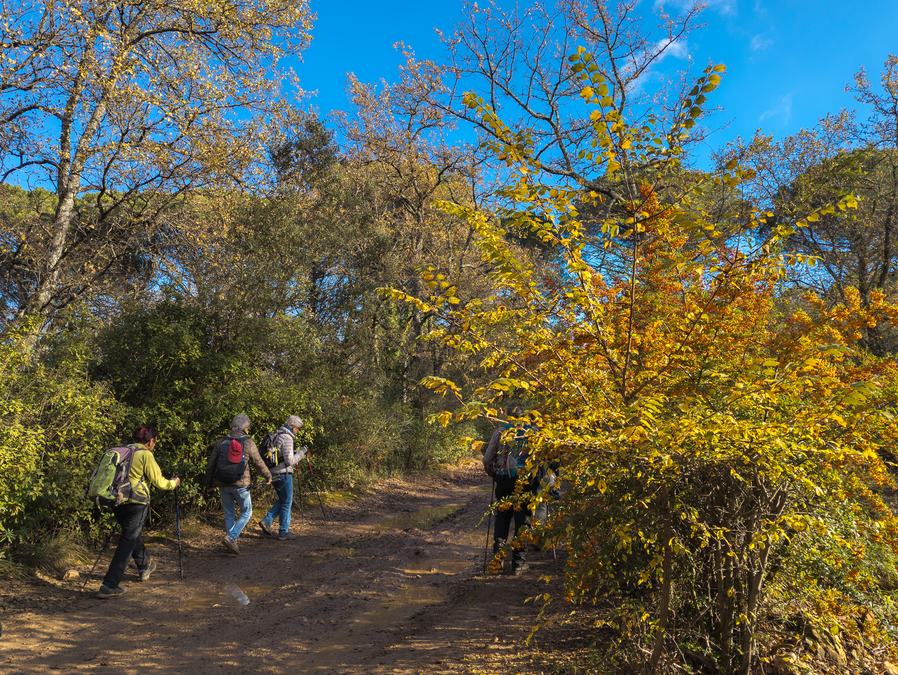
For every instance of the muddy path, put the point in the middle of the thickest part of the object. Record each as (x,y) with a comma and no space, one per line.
(390,583)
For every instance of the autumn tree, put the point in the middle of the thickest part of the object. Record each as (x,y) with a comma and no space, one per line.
(512,58)
(719,445)
(120,109)
(405,148)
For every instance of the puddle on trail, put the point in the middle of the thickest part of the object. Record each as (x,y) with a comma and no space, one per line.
(390,612)
(318,556)
(237,593)
(404,602)
(422,519)
(228,596)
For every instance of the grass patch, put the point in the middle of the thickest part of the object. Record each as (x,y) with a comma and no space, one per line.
(57,553)
(12,571)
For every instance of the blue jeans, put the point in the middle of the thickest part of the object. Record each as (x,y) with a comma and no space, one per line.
(284,489)
(231,498)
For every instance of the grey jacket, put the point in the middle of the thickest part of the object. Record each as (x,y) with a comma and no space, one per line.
(285,441)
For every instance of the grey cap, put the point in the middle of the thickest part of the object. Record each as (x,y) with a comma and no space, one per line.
(240,423)
(294,421)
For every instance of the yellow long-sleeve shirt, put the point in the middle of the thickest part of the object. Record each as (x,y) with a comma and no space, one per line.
(145,472)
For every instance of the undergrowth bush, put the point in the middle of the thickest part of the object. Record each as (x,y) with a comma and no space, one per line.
(54,422)
(186,370)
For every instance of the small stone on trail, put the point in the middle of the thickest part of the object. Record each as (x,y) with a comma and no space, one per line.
(71,575)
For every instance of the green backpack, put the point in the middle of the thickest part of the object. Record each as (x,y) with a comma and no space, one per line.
(109,482)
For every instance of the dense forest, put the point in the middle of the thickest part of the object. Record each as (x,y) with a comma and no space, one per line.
(704,350)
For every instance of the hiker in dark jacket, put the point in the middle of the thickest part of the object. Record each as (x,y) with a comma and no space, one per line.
(288,457)
(235,496)
(132,513)
(504,461)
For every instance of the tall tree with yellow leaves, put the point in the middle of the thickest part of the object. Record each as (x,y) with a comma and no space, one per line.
(719,444)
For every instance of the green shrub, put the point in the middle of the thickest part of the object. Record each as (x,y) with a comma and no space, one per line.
(54,422)
(189,371)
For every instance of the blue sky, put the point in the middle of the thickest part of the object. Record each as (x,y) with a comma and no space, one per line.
(788,60)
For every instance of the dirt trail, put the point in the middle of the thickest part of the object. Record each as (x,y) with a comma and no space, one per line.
(390,583)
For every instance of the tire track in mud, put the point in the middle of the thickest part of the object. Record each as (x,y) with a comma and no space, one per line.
(387,584)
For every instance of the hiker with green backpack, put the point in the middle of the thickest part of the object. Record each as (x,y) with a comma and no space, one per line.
(122,482)
(227,467)
(504,460)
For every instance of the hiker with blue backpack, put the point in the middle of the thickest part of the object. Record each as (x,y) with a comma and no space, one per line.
(227,467)
(122,481)
(504,460)
(281,455)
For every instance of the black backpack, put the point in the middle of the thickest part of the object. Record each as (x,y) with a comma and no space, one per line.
(271,453)
(230,460)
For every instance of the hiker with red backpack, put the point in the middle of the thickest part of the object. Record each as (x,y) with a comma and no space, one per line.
(504,460)
(280,455)
(227,467)
(127,491)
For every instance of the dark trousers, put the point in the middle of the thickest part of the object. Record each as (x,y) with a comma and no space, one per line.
(505,488)
(130,544)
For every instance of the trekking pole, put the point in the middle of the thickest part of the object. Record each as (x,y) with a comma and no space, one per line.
(489,523)
(178,533)
(97,561)
(298,486)
(314,484)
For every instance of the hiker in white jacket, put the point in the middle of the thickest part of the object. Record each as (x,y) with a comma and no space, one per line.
(282,478)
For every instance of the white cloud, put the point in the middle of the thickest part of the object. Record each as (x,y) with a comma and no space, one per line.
(723,6)
(759,43)
(677,49)
(639,86)
(780,112)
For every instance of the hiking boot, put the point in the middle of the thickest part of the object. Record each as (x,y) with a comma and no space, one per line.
(231,545)
(518,561)
(147,571)
(106,592)
(287,536)
(519,567)
(266,528)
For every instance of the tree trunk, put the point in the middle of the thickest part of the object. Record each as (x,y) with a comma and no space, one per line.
(62,223)
(664,602)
